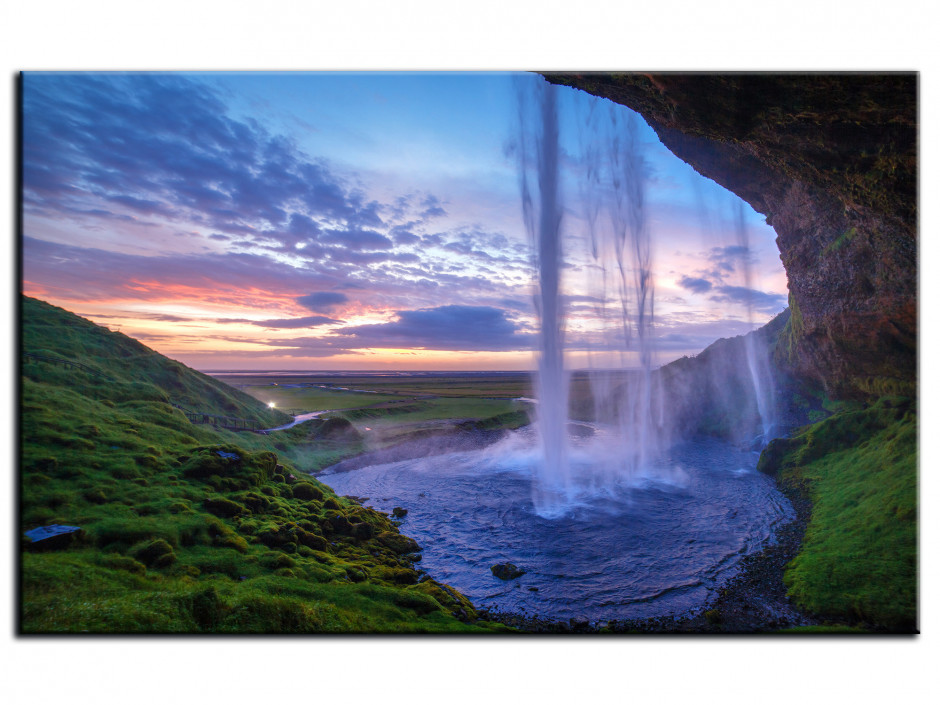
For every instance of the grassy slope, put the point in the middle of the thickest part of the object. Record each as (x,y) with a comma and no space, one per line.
(858,563)
(137,371)
(176,538)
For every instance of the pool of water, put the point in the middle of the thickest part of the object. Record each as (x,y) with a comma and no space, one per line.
(649,545)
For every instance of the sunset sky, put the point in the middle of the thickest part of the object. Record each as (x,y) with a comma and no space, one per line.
(348,221)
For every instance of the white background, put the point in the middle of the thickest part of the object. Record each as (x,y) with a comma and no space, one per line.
(483,34)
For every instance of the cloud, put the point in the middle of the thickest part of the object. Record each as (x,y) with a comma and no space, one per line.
(75,273)
(404,235)
(444,328)
(104,152)
(322,301)
(163,317)
(357,239)
(729,251)
(759,300)
(432,207)
(301,347)
(307,322)
(695,284)
(163,146)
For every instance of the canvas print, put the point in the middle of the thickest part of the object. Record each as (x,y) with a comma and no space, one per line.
(468,353)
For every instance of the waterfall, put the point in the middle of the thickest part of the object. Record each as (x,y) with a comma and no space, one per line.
(612,179)
(538,153)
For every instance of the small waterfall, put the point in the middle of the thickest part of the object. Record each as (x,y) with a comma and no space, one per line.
(757,359)
(621,284)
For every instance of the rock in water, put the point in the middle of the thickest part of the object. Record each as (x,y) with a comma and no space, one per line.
(506,571)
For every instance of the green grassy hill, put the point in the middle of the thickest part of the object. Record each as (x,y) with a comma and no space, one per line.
(130,369)
(184,527)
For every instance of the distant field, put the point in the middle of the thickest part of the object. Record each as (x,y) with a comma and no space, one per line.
(382,407)
(504,386)
(439,397)
(302,399)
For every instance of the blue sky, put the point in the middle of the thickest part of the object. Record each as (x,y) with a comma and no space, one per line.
(347,221)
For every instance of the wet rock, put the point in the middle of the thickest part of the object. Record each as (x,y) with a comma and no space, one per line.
(506,571)
(579,622)
(399,513)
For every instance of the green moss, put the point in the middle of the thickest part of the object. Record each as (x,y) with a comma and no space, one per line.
(785,351)
(155,554)
(222,507)
(119,562)
(841,241)
(398,543)
(307,490)
(858,562)
(275,560)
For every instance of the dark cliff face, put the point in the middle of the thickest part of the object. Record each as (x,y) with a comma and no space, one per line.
(831,160)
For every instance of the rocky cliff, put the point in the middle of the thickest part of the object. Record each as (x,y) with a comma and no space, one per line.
(831,160)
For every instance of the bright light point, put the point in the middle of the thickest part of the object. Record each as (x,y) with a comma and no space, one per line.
(271,404)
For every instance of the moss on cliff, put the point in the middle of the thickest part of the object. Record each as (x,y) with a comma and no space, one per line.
(785,350)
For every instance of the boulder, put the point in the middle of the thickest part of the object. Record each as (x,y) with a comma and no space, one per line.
(507,571)
(362,530)
(398,543)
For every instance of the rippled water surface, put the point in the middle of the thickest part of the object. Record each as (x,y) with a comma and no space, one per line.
(652,545)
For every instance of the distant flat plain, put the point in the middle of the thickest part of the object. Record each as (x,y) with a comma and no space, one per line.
(408,397)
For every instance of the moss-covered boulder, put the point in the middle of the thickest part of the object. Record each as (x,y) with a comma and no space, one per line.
(362,530)
(398,543)
(312,540)
(222,507)
(230,466)
(307,490)
(155,554)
